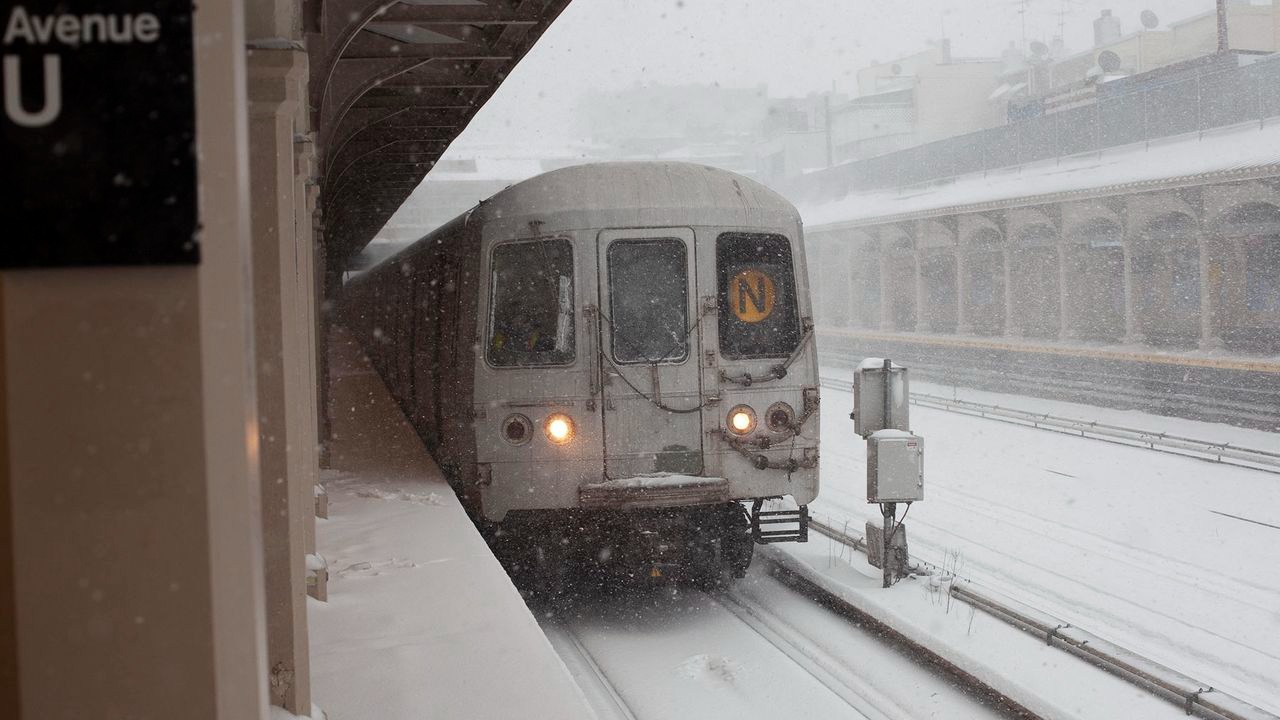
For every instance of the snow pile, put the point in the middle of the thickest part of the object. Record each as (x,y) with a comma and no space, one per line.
(710,668)
(430,498)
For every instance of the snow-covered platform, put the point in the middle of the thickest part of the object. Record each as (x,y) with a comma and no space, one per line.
(1169,556)
(421,621)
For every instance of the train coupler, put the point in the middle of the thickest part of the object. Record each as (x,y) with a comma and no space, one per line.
(797,519)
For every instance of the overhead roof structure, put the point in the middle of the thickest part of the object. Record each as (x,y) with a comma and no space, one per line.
(393,82)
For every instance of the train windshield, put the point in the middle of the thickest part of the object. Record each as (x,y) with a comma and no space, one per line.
(648,300)
(758,317)
(531,313)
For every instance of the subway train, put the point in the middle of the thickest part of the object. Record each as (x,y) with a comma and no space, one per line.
(614,364)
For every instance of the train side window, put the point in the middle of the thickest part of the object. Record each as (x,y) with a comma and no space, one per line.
(649,300)
(531,304)
(757,293)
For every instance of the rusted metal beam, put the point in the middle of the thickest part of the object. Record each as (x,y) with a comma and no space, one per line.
(368,46)
(527,14)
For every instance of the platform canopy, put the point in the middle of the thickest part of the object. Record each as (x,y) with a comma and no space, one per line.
(393,82)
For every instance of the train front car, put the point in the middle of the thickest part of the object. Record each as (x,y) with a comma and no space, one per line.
(646,375)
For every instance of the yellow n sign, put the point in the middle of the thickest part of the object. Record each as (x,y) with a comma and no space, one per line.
(751,293)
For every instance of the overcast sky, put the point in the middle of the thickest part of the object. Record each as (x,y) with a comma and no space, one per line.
(793,46)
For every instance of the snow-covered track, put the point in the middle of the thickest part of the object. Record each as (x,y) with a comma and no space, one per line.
(1193,696)
(989,696)
(601,693)
(837,677)
(762,647)
(1224,453)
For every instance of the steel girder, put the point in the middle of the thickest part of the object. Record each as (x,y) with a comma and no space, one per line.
(393,82)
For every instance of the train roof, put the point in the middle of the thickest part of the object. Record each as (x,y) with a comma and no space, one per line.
(638,194)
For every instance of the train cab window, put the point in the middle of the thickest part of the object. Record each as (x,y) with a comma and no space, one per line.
(649,300)
(757,290)
(531,308)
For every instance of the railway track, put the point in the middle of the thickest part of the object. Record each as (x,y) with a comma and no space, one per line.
(1221,453)
(600,691)
(1236,405)
(1194,697)
(759,648)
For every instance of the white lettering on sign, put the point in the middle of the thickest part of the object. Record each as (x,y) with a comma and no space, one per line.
(66,29)
(74,30)
(13,93)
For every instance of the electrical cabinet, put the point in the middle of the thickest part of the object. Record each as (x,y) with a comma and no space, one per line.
(895,467)
(869,398)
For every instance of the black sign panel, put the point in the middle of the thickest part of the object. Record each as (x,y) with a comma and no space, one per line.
(98,121)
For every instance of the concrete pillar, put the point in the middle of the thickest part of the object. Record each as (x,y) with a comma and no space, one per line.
(963,325)
(276,78)
(306,191)
(1210,336)
(886,300)
(922,296)
(1132,330)
(817,282)
(1012,327)
(855,285)
(130,467)
(1066,315)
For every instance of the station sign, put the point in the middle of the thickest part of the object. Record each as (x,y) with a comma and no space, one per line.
(99,133)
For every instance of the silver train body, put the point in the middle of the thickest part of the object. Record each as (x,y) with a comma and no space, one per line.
(607,338)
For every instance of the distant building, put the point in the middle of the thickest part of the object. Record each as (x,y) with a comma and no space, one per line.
(1046,79)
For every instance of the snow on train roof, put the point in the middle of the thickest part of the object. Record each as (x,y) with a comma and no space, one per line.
(638,187)
(1235,151)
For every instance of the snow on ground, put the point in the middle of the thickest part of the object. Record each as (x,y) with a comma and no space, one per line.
(1135,546)
(760,650)
(421,622)
(1047,681)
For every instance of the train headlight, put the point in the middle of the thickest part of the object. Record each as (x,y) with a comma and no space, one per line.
(742,419)
(517,429)
(780,417)
(559,428)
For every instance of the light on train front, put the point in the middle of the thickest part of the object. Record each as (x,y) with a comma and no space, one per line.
(742,419)
(559,428)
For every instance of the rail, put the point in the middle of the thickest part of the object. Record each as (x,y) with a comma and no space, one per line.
(1192,696)
(1168,398)
(1224,453)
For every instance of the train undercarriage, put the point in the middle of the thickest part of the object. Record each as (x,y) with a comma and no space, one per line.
(553,553)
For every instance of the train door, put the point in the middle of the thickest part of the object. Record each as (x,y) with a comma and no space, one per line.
(649,353)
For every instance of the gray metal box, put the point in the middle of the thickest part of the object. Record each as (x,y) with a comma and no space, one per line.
(868,398)
(895,467)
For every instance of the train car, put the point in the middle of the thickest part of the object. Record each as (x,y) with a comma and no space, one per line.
(614,361)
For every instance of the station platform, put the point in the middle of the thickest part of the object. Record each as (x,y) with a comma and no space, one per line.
(421,621)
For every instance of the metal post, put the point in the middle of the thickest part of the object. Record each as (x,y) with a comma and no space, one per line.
(886,556)
(1222,26)
(888,392)
(887,509)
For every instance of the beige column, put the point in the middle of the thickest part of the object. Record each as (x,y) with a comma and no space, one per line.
(922,296)
(1132,331)
(963,325)
(280,334)
(1012,327)
(305,193)
(130,469)
(817,282)
(886,301)
(1066,316)
(1210,338)
(854,281)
